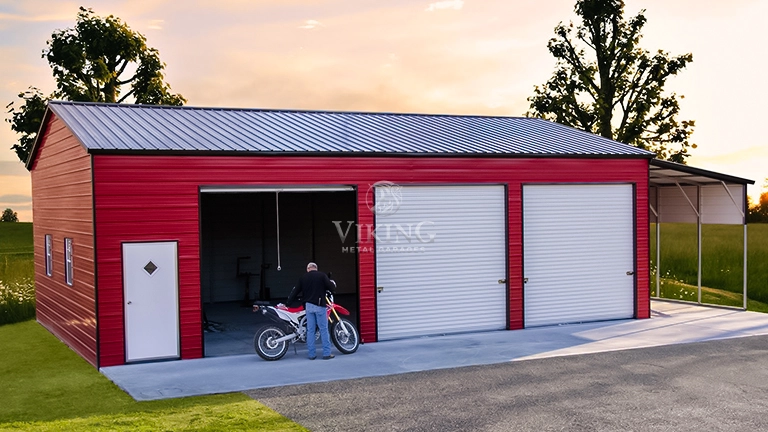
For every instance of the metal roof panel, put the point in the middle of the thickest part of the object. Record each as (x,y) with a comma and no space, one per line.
(127,127)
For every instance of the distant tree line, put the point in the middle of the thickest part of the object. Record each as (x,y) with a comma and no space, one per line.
(758,212)
(9,216)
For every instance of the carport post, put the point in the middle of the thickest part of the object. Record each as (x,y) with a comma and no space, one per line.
(658,245)
(743,211)
(745,264)
(698,223)
(696,209)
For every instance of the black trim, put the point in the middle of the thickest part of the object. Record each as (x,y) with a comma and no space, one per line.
(698,172)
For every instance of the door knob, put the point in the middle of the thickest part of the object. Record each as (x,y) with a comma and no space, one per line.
(525,280)
(502,281)
(630,273)
(379,289)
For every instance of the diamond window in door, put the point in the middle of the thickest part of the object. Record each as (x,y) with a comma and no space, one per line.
(150,268)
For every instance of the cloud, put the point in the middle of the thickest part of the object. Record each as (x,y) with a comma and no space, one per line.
(311,24)
(15,199)
(156,24)
(14,169)
(446,4)
(35,18)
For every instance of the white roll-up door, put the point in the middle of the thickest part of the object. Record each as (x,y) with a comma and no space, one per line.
(450,276)
(578,253)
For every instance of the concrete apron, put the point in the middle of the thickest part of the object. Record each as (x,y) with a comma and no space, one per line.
(670,323)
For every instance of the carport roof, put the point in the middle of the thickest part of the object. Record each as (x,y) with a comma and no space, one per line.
(665,173)
(150,128)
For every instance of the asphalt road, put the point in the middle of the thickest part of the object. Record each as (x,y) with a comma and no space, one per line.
(708,386)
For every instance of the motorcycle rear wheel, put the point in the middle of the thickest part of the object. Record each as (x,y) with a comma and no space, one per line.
(265,344)
(346,343)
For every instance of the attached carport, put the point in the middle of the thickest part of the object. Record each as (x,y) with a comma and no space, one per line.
(683,194)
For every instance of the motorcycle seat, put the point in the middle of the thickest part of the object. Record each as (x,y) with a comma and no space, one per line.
(290,309)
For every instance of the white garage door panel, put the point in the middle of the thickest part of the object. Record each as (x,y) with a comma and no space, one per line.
(433,292)
(578,247)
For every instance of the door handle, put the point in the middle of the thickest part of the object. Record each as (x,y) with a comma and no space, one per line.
(129,302)
(630,273)
(525,280)
(379,289)
(502,281)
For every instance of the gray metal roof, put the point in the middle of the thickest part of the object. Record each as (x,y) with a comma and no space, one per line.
(126,127)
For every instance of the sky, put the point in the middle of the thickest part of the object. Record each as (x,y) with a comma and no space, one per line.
(418,56)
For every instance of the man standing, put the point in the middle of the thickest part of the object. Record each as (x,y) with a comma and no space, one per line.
(311,288)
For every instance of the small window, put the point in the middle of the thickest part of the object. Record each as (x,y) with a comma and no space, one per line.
(69,273)
(48,255)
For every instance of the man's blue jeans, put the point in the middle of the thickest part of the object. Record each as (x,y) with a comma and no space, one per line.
(316,317)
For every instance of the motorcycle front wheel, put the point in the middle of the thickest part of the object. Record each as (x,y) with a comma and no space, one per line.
(346,342)
(265,344)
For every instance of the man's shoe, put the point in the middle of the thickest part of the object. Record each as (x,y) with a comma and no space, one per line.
(312,358)
(328,357)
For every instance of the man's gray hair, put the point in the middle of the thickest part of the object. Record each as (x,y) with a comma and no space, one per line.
(311,266)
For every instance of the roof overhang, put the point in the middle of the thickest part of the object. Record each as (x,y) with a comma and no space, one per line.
(680,193)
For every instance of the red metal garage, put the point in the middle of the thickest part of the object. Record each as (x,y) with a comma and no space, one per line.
(118,187)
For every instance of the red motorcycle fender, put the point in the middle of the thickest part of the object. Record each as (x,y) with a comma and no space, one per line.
(340,309)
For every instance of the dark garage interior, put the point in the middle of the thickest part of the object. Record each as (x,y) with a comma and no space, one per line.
(242,260)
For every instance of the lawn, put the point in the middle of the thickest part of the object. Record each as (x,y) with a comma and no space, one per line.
(47,387)
(722,262)
(15,238)
(17,272)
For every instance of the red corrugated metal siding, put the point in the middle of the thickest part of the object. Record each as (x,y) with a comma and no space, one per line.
(141,198)
(367,275)
(643,280)
(515,260)
(63,207)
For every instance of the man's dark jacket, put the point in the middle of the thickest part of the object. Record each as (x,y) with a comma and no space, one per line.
(311,288)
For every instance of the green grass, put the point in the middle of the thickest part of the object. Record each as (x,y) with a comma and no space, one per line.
(722,260)
(17,272)
(47,387)
(16,237)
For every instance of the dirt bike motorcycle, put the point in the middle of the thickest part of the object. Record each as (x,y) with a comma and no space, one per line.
(271,341)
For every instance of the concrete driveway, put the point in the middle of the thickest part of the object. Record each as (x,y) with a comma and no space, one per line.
(671,324)
(710,386)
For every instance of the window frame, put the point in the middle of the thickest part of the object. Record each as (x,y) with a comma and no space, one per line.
(48,255)
(69,269)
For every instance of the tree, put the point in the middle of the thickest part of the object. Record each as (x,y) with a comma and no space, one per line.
(9,216)
(758,212)
(606,84)
(93,62)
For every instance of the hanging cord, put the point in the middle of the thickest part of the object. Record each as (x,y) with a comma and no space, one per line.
(277,210)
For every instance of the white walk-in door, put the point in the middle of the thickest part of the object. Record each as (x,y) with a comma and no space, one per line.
(578,253)
(151,296)
(440,260)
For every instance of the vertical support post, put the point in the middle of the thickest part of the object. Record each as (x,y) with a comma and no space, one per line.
(745,264)
(698,226)
(658,257)
(658,242)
